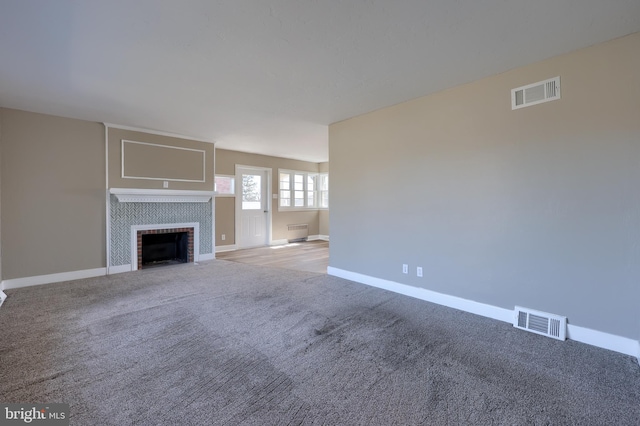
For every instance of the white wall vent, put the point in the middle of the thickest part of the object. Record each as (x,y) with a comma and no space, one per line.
(536,93)
(297,232)
(541,323)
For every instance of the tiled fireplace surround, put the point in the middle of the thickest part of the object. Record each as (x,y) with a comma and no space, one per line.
(129,220)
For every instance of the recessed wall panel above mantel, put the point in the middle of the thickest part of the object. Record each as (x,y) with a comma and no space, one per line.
(144,160)
(141,160)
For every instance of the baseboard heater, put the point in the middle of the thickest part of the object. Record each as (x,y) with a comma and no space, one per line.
(298,232)
(550,325)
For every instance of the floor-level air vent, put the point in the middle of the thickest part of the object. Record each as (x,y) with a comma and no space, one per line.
(536,93)
(2,297)
(298,232)
(541,323)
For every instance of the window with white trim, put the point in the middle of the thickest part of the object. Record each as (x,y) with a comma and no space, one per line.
(224,185)
(285,189)
(298,189)
(323,191)
(302,190)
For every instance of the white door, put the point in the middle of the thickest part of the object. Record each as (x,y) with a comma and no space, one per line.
(252,206)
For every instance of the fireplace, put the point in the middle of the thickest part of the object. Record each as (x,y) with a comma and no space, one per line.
(164,249)
(157,247)
(157,211)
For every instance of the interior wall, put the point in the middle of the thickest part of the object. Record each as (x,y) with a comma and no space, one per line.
(52,188)
(226,161)
(323,167)
(323,222)
(172,161)
(537,207)
(225,221)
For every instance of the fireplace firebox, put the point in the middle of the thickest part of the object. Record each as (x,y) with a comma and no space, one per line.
(164,247)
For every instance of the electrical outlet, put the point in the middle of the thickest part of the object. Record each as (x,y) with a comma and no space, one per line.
(165,184)
(223,237)
(419,271)
(405,268)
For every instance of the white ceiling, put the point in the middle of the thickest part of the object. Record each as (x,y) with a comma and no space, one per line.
(269,76)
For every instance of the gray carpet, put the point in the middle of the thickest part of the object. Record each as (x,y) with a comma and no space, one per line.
(225,343)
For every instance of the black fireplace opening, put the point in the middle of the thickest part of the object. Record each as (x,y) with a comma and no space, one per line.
(165,249)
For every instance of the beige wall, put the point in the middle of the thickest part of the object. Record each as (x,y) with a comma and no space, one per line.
(226,161)
(225,210)
(167,162)
(53,202)
(323,222)
(537,207)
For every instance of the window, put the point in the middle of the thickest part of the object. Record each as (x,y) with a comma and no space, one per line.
(298,190)
(285,189)
(311,190)
(323,190)
(224,185)
(251,192)
(303,190)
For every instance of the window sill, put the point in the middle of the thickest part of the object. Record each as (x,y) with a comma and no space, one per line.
(300,209)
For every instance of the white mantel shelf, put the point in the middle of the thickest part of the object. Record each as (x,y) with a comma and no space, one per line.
(135,195)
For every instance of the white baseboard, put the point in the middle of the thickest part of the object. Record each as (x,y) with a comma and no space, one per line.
(53,278)
(2,297)
(427,295)
(318,237)
(279,242)
(206,256)
(603,340)
(580,334)
(119,269)
(230,247)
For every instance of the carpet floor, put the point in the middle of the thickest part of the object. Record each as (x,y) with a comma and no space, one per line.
(224,343)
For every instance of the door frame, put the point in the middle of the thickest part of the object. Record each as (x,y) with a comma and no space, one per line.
(268,174)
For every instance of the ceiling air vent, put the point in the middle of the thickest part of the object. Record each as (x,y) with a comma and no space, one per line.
(536,93)
(541,323)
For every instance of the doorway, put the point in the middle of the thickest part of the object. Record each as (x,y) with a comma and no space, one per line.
(253,206)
